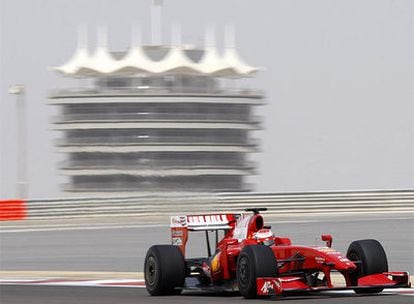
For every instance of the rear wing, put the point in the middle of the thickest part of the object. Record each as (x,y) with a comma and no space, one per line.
(182,224)
(204,222)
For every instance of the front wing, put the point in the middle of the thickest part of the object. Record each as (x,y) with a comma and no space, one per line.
(267,286)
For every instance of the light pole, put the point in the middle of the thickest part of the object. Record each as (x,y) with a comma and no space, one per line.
(19,91)
(156,22)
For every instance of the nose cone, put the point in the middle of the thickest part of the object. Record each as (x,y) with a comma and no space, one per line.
(344,264)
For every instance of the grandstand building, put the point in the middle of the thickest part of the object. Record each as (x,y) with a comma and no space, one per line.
(156,118)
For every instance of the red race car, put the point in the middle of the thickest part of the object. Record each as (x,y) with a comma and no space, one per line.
(250,259)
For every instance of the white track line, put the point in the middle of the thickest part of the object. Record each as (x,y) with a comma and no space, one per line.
(68,227)
(80,282)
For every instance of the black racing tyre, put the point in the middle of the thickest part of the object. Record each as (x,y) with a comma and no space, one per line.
(372,259)
(164,270)
(254,261)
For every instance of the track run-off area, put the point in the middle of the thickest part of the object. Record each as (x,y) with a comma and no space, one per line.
(102,262)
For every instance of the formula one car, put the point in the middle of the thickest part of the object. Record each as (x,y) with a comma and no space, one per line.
(252,260)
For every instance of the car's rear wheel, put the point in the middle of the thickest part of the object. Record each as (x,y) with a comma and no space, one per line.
(370,258)
(254,261)
(164,270)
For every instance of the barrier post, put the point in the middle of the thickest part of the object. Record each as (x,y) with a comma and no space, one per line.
(11,210)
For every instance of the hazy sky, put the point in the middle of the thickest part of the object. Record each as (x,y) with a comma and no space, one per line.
(339,82)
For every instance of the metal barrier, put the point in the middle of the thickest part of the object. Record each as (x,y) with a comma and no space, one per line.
(150,205)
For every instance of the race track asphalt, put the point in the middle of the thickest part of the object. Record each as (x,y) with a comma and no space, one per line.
(124,249)
(98,295)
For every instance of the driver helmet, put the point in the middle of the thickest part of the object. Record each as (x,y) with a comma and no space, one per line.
(264,236)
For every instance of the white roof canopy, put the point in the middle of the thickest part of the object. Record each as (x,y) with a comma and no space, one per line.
(138,61)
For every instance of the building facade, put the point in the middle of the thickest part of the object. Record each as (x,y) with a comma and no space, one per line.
(157,118)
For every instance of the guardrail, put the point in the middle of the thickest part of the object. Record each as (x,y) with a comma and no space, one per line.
(149,205)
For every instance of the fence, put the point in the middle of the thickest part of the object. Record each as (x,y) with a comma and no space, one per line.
(150,205)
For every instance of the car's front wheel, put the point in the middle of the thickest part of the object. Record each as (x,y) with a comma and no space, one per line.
(164,270)
(370,258)
(254,261)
